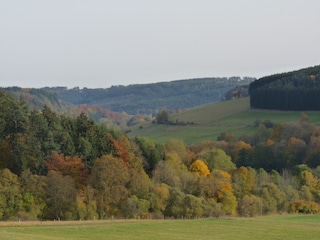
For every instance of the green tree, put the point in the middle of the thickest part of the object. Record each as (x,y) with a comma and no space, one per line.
(175,204)
(136,208)
(218,159)
(86,204)
(151,153)
(162,116)
(312,182)
(109,177)
(159,199)
(61,196)
(249,206)
(178,146)
(273,199)
(229,203)
(189,183)
(192,206)
(139,183)
(305,193)
(295,151)
(33,190)
(243,182)
(10,195)
(164,173)
(37,140)
(238,147)
(13,116)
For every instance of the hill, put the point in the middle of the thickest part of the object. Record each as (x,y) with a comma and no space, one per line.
(209,121)
(122,106)
(149,98)
(38,98)
(294,91)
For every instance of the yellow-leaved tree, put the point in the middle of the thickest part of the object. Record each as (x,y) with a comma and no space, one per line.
(218,187)
(199,168)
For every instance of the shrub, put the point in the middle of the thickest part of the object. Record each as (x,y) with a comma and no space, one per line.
(302,206)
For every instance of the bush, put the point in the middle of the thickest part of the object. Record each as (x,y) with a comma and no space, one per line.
(302,206)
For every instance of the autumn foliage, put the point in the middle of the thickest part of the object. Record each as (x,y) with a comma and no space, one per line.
(302,206)
(59,167)
(199,168)
(68,166)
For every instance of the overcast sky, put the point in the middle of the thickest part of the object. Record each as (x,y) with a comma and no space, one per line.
(100,43)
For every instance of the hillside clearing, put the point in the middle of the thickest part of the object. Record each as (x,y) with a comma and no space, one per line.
(209,121)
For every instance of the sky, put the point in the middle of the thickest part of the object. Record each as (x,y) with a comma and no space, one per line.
(102,43)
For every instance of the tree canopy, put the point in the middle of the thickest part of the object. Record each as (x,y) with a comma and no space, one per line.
(59,167)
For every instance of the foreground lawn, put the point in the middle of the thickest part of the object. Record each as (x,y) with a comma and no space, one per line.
(274,227)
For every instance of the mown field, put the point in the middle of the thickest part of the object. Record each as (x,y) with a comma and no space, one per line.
(211,120)
(270,227)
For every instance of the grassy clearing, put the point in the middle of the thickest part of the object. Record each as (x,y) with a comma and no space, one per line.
(271,227)
(211,120)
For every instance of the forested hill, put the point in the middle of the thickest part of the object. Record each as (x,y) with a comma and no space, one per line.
(149,98)
(39,98)
(294,91)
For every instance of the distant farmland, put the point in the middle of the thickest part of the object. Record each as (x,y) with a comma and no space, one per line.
(209,121)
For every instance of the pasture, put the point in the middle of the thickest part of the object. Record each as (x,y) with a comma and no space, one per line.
(267,227)
(234,116)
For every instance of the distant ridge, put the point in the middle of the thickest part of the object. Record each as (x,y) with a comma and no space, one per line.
(149,98)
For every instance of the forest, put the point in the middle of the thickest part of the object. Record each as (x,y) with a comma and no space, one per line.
(54,166)
(293,91)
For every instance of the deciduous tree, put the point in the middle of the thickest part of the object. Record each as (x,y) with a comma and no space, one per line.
(10,195)
(218,159)
(199,168)
(238,147)
(109,177)
(61,196)
(243,182)
(69,166)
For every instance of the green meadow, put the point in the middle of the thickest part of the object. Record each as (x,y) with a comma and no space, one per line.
(209,121)
(269,227)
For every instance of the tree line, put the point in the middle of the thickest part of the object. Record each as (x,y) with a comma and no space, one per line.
(294,91)
(59,167)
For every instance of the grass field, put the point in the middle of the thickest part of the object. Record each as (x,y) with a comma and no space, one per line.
(211,120)
(270,227)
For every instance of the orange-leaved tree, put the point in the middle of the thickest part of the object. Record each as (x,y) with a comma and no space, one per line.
(69,166)
(121,147)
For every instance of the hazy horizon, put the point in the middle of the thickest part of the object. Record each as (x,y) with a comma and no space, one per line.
(98,44)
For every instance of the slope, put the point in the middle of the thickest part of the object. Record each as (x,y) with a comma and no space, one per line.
(209,121)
